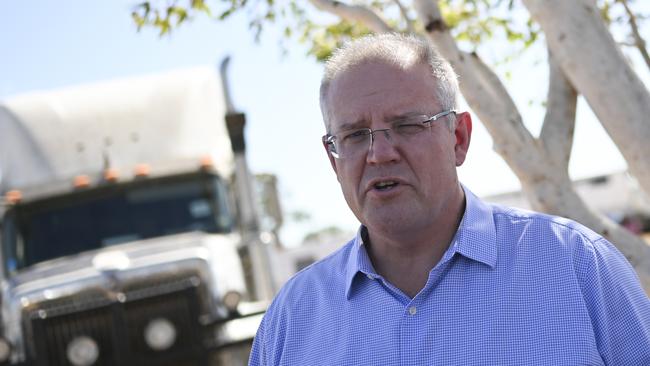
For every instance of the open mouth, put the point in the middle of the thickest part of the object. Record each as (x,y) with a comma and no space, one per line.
(385,185)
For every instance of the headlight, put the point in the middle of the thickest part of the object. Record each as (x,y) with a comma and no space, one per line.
(5,350)
(83,351)
(160,334)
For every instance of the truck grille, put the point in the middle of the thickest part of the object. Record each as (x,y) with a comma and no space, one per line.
(118,326)
(52,335)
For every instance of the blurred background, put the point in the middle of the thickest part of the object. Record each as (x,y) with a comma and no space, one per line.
(134,224)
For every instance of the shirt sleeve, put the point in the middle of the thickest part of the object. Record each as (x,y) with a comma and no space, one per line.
(617,304)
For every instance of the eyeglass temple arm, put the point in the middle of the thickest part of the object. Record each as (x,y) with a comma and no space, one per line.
(442,114)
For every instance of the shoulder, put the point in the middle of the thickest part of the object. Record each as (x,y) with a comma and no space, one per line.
(323,278)
(519,232)
(553,241)
(564,257)
(558,244)
(295,305)
(611,294)
(547,231)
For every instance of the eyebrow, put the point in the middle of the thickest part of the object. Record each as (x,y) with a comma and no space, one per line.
(352,125)
(361,123)
(405,115)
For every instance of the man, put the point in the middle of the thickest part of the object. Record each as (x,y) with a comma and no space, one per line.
(435,276)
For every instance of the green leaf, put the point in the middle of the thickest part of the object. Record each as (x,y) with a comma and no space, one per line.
(200,5)
(139,21)
(226,13)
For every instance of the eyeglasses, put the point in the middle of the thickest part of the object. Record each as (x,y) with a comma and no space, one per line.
(352,143)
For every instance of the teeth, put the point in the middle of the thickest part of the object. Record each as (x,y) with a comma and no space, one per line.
(385,184)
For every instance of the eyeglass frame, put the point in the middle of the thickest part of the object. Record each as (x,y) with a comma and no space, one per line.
(328,139)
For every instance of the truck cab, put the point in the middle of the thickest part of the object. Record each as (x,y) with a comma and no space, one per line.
(122,234)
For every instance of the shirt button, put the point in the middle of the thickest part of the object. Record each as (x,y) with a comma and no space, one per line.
(370,276)
(413,310)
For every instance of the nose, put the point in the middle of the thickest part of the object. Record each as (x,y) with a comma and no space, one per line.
(382,147)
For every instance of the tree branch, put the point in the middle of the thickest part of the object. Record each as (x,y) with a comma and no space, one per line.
(626,44)
(485,94)
(639,42)
(356,13)
(589,56)
(559,123)
(409,21)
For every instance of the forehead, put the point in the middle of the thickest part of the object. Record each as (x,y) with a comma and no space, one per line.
(378,90)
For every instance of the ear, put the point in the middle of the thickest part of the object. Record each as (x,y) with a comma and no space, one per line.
(332,159)
(463,133)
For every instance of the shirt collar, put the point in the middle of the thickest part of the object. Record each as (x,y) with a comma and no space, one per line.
(474,239)
(358,261)
(476,235)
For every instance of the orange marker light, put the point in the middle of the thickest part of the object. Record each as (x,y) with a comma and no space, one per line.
(142,170)
(111,175)
(13,196)
(206,162)
(81,181)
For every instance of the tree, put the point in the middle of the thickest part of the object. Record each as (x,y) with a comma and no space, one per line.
(583,58)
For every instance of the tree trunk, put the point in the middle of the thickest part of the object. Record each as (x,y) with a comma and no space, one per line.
(589,56)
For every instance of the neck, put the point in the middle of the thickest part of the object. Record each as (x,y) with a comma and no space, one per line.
(405,259)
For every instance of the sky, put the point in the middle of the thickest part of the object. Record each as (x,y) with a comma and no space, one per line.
(52,44)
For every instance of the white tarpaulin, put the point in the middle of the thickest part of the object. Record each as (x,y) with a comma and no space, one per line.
(153,119)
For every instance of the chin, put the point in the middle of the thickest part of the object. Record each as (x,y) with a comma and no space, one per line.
(391,219)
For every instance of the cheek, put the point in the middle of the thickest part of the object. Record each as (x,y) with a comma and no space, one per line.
(434,165)
(349,176)
(443,151)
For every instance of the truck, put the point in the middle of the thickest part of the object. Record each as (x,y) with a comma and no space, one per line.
(129,232)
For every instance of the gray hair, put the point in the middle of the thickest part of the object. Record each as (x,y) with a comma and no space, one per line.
(394,49)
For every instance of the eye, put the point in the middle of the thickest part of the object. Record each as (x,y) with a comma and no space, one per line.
(356,136)
(409,128)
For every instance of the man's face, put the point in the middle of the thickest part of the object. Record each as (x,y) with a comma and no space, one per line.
(396,186)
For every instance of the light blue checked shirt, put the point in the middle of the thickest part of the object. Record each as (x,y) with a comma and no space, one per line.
(514,288)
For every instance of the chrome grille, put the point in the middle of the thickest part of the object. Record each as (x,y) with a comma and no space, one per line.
(53,334)
(175,307)
(117,323)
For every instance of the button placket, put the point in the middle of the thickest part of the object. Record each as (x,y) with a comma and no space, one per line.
(413,310)
(410,333)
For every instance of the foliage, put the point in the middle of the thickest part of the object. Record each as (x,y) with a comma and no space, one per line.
(325,38)
(477,21)
(472,22)
(167,15)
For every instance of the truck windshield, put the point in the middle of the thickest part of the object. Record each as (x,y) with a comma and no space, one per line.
(94,219)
